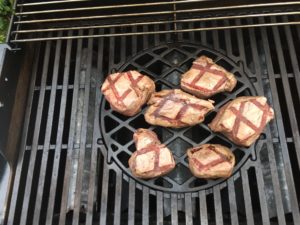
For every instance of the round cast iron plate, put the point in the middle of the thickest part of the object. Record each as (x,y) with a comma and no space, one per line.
(165,64)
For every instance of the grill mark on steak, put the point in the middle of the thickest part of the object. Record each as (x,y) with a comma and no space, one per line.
(241,118)
(157,150)
(172,97)
(143,132)
(201,166)
(134,82)
(148,149)
(134,85)
(203,70)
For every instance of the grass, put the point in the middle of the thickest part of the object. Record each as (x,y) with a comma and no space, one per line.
(5,13)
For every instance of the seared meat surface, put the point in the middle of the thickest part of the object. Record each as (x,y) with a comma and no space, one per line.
(128,91)
(205,78)
(243,119)
(211,161)
(144,137)
(175,108)
(151,158)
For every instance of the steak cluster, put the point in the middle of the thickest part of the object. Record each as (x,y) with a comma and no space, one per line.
(211,161)
(205,78)
(127,92)
(151,158)
(175,108)
(243,119)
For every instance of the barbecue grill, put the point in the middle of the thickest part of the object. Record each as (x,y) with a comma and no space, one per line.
(64,151)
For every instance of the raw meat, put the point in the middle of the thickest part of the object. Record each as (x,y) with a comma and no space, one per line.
(175,108)
(151,158)
(205,78)
(128,91)
(211,161)
(243,119)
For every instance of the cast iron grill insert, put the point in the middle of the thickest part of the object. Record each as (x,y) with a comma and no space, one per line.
(165,64)
(68,174)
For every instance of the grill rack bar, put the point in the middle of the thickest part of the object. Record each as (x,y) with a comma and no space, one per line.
(48,135)
(160,4)
(277,107)
(50,2)
(157,32)
(148,14)
(67,183)
(35,24)
(258,170)
(158,22)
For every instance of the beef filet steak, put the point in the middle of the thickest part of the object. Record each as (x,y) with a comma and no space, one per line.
(144,137)
(243,119)
(211,161)
(175,108)
(205,78)
(151,158)
(128,91)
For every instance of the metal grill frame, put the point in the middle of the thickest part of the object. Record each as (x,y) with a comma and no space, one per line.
(107,190)
(30,23)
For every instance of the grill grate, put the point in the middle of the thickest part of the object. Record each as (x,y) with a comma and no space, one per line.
(36,21)
(64,176)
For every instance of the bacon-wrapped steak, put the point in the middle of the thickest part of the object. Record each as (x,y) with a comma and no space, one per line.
(128,91)
(144,137)
(175,108)
(243,119)
(211,161)
(151,158)
(205,78)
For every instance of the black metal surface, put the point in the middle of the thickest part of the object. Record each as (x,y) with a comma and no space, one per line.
(66,174)
(11,63)
(9,75)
